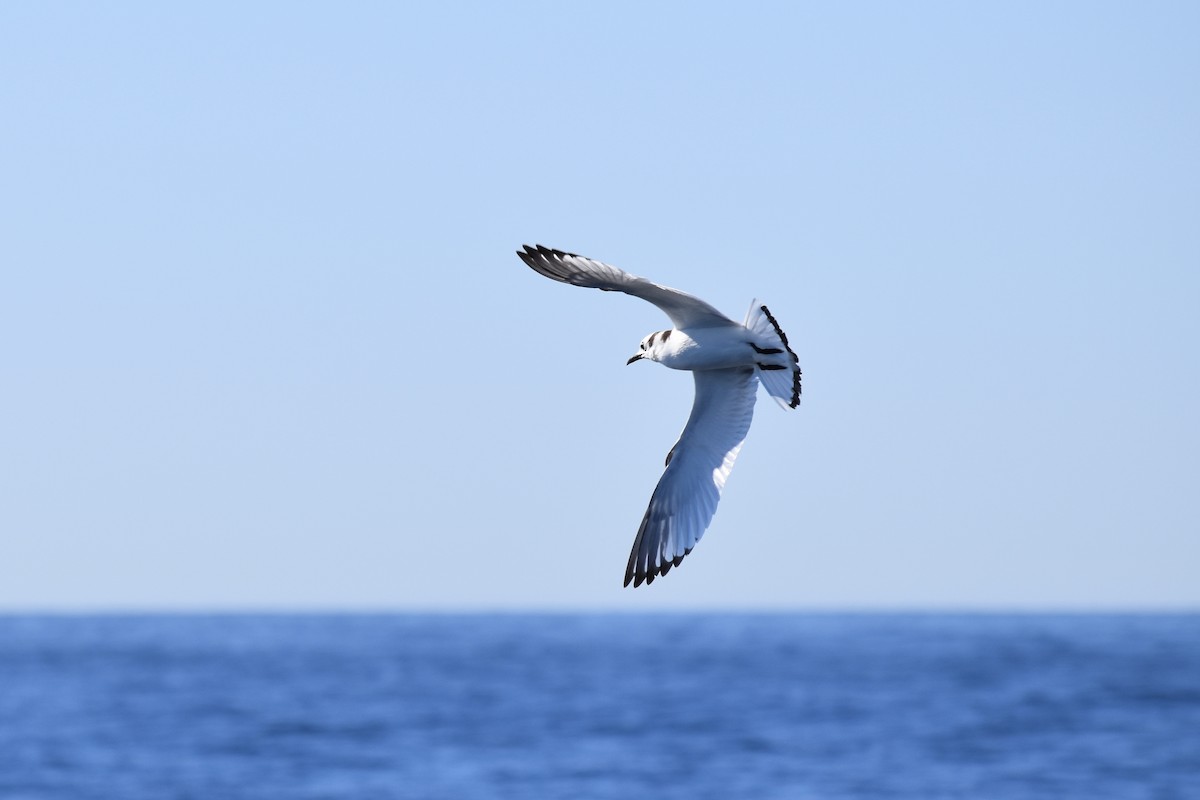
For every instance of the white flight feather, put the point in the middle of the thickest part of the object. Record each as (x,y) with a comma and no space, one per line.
(685,310)
(685,499)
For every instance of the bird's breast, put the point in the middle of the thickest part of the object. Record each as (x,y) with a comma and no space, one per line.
(719,348)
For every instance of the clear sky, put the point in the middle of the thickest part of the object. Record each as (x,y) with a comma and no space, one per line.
(266,343)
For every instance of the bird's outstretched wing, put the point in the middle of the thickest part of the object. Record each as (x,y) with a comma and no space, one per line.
(686,497)
(684,310)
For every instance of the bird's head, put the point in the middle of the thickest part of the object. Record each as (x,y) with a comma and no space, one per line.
(650,348)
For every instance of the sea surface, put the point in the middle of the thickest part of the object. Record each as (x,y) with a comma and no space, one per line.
(469,707)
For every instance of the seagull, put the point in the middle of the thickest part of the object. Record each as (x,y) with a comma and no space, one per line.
(727,361)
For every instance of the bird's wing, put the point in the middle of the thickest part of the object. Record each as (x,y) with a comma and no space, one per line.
(686,497)
(683,309)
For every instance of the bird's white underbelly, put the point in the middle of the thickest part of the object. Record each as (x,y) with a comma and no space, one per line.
(707,348)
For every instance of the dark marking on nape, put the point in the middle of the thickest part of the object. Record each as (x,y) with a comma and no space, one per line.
(666,335)
(770,366)
(650,341)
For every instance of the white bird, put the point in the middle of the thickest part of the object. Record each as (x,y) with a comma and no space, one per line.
(727,360)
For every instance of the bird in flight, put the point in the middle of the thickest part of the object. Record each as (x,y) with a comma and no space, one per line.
(727,361)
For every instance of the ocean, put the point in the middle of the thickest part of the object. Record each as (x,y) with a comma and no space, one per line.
(599,706)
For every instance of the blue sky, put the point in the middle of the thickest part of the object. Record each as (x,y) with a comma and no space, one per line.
(267,344)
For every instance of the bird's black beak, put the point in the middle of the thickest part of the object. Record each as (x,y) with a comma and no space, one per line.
(638,357)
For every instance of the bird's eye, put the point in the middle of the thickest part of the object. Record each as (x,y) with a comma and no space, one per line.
(643,345)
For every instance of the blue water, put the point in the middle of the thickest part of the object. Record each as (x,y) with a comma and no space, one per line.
(600,706)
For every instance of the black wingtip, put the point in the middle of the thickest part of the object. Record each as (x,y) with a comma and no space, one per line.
(637,577)
(540,251)
(551,251)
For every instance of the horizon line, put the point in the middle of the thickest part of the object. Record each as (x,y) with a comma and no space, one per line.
(198,610)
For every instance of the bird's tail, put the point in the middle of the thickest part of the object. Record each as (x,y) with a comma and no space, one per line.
(778,367)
